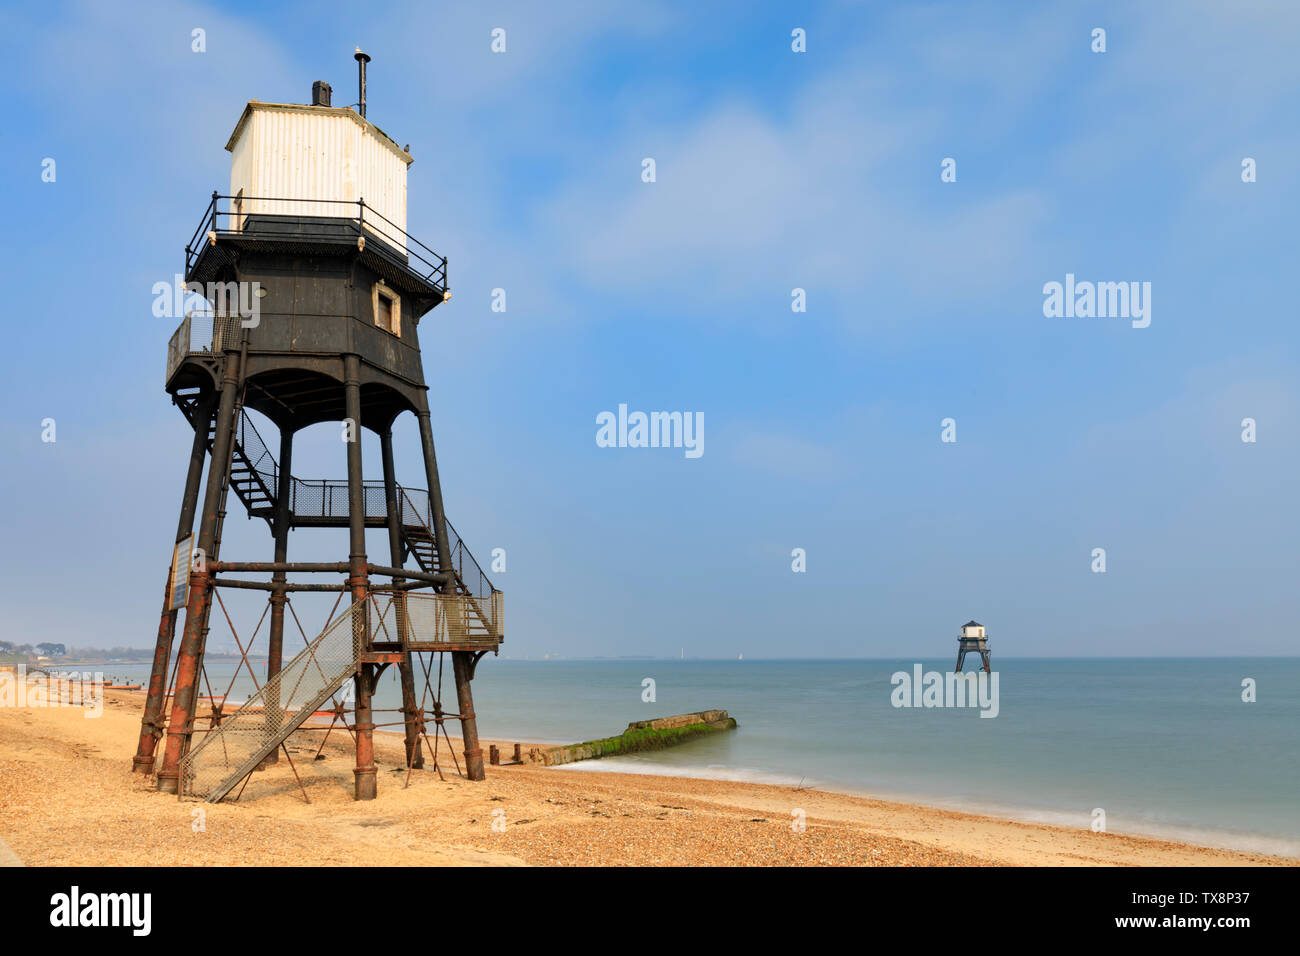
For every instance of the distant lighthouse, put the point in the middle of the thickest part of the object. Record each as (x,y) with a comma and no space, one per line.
(973,638)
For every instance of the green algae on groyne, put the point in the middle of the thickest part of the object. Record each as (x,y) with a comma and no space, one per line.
(642,735)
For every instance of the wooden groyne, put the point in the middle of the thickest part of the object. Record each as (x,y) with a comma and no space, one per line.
(640,735)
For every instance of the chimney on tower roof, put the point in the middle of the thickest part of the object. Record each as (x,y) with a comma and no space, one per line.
(362,59)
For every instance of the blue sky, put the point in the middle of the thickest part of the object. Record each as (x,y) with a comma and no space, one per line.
(775,170)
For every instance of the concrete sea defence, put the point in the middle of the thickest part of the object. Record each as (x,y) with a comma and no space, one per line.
(640,735)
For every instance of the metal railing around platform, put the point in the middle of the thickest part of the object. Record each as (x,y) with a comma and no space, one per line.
(423,620)
(202,333)
(281,219)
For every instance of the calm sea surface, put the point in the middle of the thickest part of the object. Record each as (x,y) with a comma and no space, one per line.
(1163,746)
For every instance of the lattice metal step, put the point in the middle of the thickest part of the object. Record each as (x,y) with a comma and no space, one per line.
(229,753)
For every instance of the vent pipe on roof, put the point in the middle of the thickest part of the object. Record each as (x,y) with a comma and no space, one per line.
(362,59)
(320,93)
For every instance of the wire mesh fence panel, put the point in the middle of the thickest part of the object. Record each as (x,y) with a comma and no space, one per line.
(439,618)
(203,333)
(475,581)
(376,503)
(234,748)
(177,347)
(256,454)
(211,332)
(306,497)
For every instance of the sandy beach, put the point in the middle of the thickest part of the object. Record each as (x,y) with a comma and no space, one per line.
(67,797)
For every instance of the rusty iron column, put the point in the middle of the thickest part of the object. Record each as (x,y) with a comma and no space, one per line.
(190,657)
(279,596)
(151,723)
(436,514)
(460,660)
(359,581)
(461,668)
(414,753)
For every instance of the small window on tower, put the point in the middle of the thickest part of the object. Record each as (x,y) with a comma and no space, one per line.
(388,309)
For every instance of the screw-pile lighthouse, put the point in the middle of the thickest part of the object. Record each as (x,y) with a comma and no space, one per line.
(973,638)
(315,223)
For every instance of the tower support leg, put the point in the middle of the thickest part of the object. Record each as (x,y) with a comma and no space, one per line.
(460,667)
(279,596)
(365,787)
(151,723)
(190,657)
(961,656)
(460,660)
(414,752)
(436,514)
(984,655)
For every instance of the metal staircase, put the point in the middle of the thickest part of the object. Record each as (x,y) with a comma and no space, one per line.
(253,472)
(232,750)
(324,503)
(403,621)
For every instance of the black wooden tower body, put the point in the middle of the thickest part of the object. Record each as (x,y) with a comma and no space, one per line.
(331,333)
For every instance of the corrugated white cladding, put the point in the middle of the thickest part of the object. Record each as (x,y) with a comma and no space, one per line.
(301,160)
